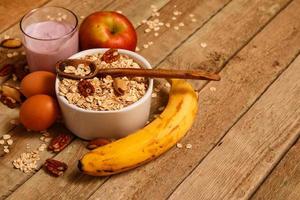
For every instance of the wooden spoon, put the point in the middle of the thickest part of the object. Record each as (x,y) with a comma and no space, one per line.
(132,72)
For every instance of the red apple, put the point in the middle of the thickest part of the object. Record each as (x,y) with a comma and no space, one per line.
(107,30)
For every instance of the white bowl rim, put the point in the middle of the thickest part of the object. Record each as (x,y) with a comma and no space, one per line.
(101,50)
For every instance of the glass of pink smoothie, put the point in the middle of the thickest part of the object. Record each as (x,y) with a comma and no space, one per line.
(50,34)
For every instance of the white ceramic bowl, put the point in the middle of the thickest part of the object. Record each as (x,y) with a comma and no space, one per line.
(88,124)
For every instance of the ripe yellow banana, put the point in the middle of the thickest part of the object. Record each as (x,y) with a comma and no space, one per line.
(151,141)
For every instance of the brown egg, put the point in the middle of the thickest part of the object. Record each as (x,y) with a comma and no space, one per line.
(39,82)
(39,112)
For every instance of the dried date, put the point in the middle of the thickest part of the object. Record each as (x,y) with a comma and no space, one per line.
(85,88)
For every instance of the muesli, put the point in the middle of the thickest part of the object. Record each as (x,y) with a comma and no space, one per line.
(107,93)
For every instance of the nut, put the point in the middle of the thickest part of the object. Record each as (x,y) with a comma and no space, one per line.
(60,142)
(110,56)
(120,86)
(85,88)
(6,70)
(12,92)
(97,143)
(54,167)
(12,43)
(8,101)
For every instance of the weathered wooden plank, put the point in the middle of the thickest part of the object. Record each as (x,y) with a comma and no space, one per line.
(12,10)
(244,79)
(253,146)
(72,151)
(74,189)
(284,181)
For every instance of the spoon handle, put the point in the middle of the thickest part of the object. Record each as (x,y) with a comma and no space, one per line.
(160,73)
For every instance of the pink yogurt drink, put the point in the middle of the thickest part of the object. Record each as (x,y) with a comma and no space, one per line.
(48,41)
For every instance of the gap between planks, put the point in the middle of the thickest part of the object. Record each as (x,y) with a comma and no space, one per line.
(276,183)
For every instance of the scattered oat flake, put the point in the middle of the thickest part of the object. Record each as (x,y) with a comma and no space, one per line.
(6,37)
(6,150)
(213,89)
(156,34)
(167,84)
(82,17)
(6,136)
(150,43)
(175,13)
(168,25)
(194,20)
(145,46)
(176,27)
(179,145)
(154,95)
(181,24)
(137,49)
(48,139)
(192,15)
(9,55)
(2,141)
(14,77)
(23,53)
(119,11)
(188,146)
(174,18)
(14,121)
(147,30)
(9,141)
(203,44)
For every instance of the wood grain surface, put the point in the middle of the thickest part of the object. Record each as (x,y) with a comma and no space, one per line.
(12,10)
(284,181)
(243,80)
(252,147)
(246,122)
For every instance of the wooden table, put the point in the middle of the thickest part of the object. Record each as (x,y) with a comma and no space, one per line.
(245,138)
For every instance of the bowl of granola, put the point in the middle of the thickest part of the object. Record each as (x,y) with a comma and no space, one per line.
(108,107)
